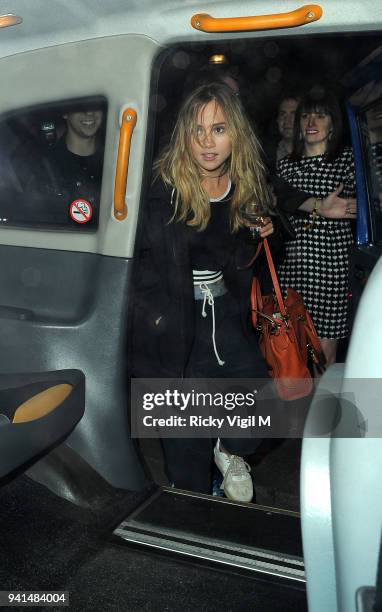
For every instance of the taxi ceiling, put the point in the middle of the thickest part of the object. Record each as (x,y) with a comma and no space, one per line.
(54,22)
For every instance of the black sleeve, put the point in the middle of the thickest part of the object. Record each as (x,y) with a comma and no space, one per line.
(151,299)
(289,199)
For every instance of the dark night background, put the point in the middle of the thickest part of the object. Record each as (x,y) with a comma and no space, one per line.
(266,68)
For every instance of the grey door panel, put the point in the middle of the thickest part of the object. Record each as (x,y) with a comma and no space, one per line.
(61,309)
(49,285)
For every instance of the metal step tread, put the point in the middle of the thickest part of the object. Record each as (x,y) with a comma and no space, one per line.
(246,536)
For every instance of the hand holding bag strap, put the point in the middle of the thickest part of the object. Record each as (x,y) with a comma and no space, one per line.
(275,280)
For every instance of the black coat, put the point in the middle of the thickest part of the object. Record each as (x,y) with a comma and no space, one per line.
(163,300)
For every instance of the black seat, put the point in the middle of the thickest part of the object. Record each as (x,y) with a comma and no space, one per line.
(37,412)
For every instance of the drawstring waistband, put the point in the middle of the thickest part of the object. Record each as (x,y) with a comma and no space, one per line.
(211,286)
(208,297)
(216,286)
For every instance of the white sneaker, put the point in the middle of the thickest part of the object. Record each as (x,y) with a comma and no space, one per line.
(237,482)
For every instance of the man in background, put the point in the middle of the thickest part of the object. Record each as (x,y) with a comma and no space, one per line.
(285,123)
(60,175)
(75,162)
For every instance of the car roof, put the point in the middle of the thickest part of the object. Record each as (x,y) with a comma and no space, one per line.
(53,22)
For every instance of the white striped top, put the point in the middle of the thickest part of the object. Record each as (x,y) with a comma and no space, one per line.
(206,276)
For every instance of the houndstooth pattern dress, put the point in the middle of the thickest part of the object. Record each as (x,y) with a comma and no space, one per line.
(317,262)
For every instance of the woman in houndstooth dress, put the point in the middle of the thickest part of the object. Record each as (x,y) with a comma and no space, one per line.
(317,262)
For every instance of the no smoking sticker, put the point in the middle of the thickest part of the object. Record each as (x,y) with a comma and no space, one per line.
(81,211)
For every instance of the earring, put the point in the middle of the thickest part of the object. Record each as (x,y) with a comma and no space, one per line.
(330,135)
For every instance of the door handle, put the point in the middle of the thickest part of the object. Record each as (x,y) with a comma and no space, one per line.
(129,120)
(306,14)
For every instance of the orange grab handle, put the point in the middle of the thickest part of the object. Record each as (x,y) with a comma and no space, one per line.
(129,120)
(301,16)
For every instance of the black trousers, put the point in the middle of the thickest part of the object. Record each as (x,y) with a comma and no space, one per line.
(189,461)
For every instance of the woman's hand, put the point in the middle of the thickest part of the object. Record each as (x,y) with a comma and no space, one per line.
(267,229)
(334,207)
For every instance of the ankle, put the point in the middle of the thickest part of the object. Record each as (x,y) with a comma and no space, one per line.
(222,449)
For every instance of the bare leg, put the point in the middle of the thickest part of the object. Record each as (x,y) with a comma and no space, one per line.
(330,350)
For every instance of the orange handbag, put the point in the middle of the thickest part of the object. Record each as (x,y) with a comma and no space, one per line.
(288,339)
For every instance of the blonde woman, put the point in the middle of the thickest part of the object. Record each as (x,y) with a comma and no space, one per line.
(192,301)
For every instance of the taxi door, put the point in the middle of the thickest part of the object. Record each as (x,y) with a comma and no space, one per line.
(66,251)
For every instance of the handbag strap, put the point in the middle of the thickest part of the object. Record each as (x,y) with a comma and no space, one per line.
(252,260)
(275,280)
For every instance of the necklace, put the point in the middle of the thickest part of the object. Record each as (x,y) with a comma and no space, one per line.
(224,171)
(214,177)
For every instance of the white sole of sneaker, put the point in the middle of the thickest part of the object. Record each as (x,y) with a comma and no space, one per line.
(239,501)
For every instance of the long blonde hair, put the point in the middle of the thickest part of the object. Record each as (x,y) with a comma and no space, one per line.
(178,169)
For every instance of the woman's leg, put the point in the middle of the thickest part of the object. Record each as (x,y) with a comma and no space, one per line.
(241,446)
(242,359)
(189,463)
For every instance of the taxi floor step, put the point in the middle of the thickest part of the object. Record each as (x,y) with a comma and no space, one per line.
(244,536)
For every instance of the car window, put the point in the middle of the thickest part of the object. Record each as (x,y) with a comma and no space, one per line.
(52,160)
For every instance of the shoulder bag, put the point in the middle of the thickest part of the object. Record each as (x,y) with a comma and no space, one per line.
(288,339)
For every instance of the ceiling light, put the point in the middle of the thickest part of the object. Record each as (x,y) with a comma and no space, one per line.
(218,58)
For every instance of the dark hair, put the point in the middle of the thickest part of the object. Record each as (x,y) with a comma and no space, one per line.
(210,74)
(289,95)
(319,101)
